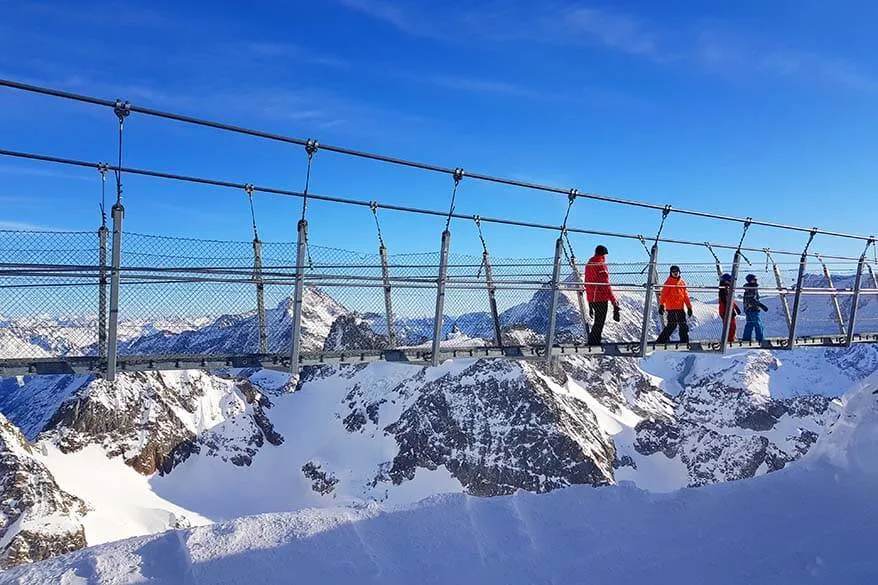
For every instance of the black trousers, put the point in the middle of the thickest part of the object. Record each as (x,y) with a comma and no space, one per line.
(675,318)
(600,317)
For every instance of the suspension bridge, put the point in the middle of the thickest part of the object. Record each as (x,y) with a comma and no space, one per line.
(113,300)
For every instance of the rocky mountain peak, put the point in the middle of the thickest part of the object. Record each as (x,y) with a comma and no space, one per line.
(38,519)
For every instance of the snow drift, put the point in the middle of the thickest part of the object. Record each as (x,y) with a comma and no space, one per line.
(811,523)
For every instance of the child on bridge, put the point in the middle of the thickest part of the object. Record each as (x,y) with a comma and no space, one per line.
(752,306)
(725,286)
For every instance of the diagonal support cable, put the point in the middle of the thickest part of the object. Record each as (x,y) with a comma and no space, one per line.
(373,206)
(458,176)
(665,212)
(248,188)
(311,147)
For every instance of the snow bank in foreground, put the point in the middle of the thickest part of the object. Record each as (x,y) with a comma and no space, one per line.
(811,523)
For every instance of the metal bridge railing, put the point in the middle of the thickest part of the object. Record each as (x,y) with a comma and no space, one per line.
(202,299)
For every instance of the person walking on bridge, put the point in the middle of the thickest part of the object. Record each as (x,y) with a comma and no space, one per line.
(725,285)
(599,293)
(673,299)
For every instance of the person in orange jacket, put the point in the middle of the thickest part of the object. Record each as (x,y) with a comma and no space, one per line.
(674,297)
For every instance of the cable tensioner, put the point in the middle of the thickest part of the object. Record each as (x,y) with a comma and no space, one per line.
(122,109)
(311,147)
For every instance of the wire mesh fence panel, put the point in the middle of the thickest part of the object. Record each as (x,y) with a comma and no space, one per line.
(825,303)
(414,280)
(202,297)
(467,319)
(186,297)
(329,326)
(867,308)
(49,285)
(523,294)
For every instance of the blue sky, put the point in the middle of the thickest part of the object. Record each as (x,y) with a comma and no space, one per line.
(764,109)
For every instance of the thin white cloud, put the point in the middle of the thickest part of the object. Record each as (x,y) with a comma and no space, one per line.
(566,23)
(729,54)
(577,24)
(44,172)
(394,14)
(18,226)
(482,86)
(613,30)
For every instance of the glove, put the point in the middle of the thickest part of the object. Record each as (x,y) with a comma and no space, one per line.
(661,309)
(763,307)
(689,312)
(616,316)
(590,310)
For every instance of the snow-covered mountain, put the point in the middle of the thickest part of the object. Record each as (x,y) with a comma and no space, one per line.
(813,522)
(47,336)
(240,333)
(188,448)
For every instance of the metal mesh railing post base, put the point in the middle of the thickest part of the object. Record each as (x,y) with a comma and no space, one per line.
(118,212)
(651,279)
(553,303)
(852,321)
(439,315)
(296,334)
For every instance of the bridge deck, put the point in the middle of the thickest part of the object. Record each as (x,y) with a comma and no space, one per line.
(414,356)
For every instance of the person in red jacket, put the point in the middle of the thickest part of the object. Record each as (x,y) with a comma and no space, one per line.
(725,285)
(599,293)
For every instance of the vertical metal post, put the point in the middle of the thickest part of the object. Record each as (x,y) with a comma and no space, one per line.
(118,212)
(553,301)
(580,295)
(803,265)
(103,236)
(260,296)
(730,303)
(658,296)
(839,319)
(439,315)
(388,304)
(783,295)
(852,320)
(296,336)
(651,280)
(874,278)
(492,299)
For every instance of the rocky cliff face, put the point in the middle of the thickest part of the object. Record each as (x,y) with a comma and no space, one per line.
(352,332)
(497,427)
(726,426)
(155,420)
(38,520)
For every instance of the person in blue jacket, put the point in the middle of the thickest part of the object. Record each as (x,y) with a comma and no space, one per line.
(752,310)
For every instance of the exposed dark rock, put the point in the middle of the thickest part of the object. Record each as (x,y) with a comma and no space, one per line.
(38,519)
(710,413)
(322,482)
(351,332)
(498,427)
